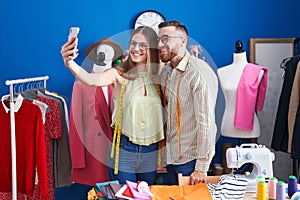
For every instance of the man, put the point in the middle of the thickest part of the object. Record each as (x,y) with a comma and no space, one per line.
(190,90)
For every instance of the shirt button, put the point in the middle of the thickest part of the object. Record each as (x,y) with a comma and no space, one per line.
(96,117)
(99,134)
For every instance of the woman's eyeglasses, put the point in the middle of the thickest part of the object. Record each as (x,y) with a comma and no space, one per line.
(142,46)
(165,38)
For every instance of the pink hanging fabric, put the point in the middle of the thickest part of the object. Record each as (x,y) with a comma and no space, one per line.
(250,96)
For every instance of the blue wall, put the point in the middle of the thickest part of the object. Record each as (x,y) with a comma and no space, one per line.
(32,32)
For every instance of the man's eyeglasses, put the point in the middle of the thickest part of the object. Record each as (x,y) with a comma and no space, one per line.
(165,38)
(142,46)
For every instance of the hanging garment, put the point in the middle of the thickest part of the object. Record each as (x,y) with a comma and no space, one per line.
(61,160)
(90,134)
(61,148)
(293,108)
(250,96)
(53,131)
(30,148)
(280,133)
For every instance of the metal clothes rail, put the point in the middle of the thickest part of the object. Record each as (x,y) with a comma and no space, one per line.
(11,84)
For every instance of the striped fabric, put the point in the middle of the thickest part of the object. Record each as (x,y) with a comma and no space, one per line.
(229,187)
(197,97)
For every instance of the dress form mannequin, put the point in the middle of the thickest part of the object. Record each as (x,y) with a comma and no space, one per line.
(90,119)
(105,55)
(229,77)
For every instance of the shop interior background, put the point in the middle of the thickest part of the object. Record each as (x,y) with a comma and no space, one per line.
(32,33)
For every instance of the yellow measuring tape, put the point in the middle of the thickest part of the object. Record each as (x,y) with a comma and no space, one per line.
(118,130)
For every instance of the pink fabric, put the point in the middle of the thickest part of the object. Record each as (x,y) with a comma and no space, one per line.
(137,195)
(250,96)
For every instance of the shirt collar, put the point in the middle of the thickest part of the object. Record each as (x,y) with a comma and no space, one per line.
(17,105)
(184,62)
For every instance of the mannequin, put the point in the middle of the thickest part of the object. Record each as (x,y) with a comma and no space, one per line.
(105,55)
(90,118)
(229,77)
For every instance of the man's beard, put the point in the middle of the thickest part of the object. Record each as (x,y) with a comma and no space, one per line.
(167,56)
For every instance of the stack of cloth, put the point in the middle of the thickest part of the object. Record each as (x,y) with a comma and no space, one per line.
(113,190)
(228,187)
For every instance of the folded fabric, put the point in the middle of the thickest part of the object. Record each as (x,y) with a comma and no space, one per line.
(127,192)
(108,193)
(98,185)
(123,193)
(136,194)
(229,187)
(104,188)
(178,192)
(250,97)
(115,188)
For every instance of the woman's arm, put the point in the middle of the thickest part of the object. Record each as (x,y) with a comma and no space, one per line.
(69,52)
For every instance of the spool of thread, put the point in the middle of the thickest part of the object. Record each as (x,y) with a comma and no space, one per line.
(280,190)
(296,196)
(262,191)
(259,179)
(292,185)
(272,188)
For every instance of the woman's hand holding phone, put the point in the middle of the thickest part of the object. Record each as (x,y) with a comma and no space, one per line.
(69,50)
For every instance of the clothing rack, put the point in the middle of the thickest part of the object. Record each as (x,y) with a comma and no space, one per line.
(11,83)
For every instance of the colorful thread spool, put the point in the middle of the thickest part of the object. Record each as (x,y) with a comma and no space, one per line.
(262,191)
(280,190)
(292,185)
(272,188)
(259,179)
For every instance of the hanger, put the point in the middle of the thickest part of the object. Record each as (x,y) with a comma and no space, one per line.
(286,60)
(7,97)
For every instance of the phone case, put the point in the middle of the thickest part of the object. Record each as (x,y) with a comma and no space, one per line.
(74,31)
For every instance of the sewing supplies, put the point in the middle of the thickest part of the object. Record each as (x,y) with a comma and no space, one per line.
(262,191)
(259,155)
(280,190)
(259,179)
(272,188)
(296,196)
(292,185)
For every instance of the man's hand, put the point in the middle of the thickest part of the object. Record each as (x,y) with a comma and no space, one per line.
(198,177)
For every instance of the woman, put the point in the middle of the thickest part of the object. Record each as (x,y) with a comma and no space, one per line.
(137,118)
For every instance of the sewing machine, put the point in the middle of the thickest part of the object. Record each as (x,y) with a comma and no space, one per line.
(258,155)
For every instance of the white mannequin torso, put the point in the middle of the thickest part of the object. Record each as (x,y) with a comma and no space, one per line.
(229,77)
(109,54)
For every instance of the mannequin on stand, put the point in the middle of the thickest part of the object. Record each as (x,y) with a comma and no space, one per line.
(230,77)
(90,118)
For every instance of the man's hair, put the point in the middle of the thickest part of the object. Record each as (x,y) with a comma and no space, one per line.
(178,25)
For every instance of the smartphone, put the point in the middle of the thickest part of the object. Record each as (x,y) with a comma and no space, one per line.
(74,31)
